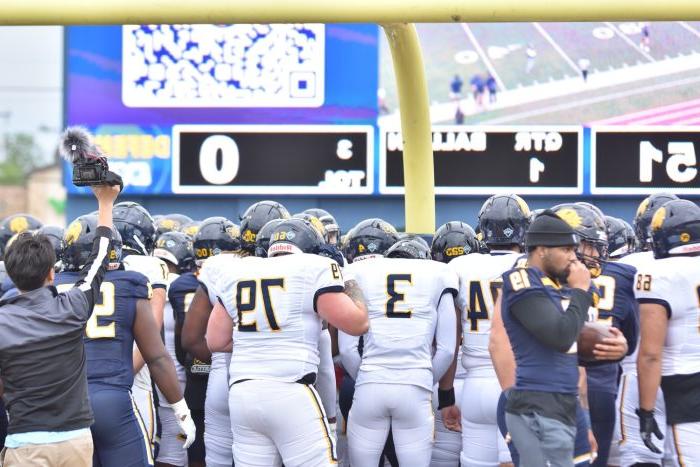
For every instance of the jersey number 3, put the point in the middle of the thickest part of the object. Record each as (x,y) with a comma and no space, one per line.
(395,297)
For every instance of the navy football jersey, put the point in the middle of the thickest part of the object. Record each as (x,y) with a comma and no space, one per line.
(109,337)
(180,295)
(539,368)
(618,307)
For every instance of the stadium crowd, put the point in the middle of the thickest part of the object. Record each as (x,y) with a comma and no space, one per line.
(297,344)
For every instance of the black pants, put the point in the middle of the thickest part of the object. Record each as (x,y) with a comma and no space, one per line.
(602,409)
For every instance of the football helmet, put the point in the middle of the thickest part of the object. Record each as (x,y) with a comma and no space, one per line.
(369,237)
(645,212)
(453,239)
(675,229)
(216,235)
(55,236)
(77,243)
(136,227)
(412,247)
(176,248)
(262,240)
(14,224)
(621,239)
(255,217)
(503,220)
(590,228)
(332,228)
(295,235)
(170,222)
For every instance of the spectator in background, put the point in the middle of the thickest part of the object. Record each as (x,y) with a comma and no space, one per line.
(456,88)
(583,65)
(477,84)
(492,87)
(646,40)
(42,356)
(531,55)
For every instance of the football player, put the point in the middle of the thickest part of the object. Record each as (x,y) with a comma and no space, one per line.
(255,217)
(121,318)
(668,291)
(15,224)
(410,304)
(621,238)
(331,226)
(208,372)
(175,248)
(451,240)
(616,306)
(138,232)
(503,221)
(632,450)
(278,304)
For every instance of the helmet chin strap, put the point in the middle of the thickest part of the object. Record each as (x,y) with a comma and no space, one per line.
(141,245)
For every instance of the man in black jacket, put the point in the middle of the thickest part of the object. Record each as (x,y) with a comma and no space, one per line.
(42,358)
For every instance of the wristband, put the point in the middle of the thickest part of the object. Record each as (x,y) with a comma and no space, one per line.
(446,397)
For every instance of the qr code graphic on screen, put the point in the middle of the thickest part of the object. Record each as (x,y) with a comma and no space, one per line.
(242,65)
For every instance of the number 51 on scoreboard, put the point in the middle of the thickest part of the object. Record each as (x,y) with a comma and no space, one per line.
(639,160)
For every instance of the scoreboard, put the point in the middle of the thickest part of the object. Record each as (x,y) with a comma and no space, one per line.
(275,159)
(478,160)
(643,160)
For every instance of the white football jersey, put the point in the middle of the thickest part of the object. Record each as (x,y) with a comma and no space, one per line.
(479,281)
(274,302)
(675,283)
(213,275)
(402,299)
(153,268)
(157,273)
(639,260)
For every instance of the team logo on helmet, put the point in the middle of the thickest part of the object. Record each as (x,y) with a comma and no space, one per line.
(523,205)
(571,217)
(685,237)
(291,235)
(658,219)
(168,224)
(643,207)
(388,228)
(19,224)
(508,232)
(249,236)
(73,232)
(372,247)
(234,232)
(318,225)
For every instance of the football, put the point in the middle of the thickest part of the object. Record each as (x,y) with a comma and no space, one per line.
(591,334)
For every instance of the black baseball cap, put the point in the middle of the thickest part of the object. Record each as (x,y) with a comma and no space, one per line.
(548,229)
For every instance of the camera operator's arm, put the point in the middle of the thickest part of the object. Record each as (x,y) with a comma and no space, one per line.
(94,270)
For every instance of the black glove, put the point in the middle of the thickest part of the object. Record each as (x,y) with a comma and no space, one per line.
(332,252)
(647,426)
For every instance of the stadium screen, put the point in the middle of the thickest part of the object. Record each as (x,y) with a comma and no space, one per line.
(537,108)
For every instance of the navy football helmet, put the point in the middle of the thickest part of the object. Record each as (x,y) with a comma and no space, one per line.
(55,236)
(503,220)
(136,227)
(262,240)
(675,229)
(255,217)
(412,247)
(332,228)
(642,219)
(171,222)
(590,228)
(216,235)
(621,239)
(177,249)
(295,235)
(369,237)
(14,224)
(77,243)
(453,239)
